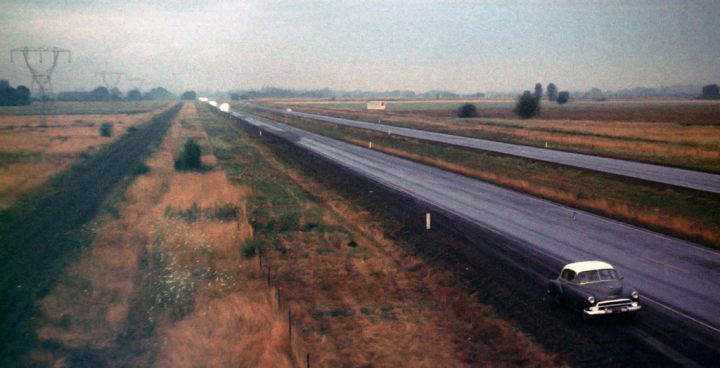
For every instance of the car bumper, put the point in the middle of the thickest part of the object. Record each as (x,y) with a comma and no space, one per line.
(594,311)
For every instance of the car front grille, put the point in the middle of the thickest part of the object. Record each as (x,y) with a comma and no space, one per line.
(616,303)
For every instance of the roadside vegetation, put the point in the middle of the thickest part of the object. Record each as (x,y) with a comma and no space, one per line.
(208,268)
(687,214)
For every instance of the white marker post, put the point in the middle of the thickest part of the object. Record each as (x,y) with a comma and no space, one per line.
(427,221)
(261,133)
(370,145)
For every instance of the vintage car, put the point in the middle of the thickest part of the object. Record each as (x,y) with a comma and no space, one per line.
(594,288)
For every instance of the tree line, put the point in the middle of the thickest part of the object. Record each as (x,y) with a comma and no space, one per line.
(102,94)
(9,96)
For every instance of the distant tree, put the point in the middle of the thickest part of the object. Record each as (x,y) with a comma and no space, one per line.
(538,91)
(158,93)
(134,95)
(13,97)
(527,105)
(597,94)
(467,111)
(234,96)
(99,94)
(711,92)
(23,96)
(189,96)
(115,95)
(552,92)
(563,97)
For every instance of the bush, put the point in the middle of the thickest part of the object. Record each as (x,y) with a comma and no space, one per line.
(106,129)
(140,168)
(252,247)
(527,105)
(467,111)
(189,158)
(563,97)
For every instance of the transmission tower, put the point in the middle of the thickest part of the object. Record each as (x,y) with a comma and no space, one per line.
(111,81)
(137,83)
(41,78)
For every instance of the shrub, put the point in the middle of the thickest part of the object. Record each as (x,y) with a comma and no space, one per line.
(563,97)
(189,158)
(527,105)
(467,111)
(140,168)
(252,247)
(227,212)
(289,222)
(106,129)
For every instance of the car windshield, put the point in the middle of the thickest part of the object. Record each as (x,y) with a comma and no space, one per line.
(597,275)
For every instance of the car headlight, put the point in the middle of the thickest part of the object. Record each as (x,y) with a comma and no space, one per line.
(635,295)
(591,300)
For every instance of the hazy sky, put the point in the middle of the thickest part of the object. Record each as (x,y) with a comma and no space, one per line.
(462,46)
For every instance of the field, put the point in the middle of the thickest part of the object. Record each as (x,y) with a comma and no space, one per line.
(683,213)
(672,133)
(208,268)
(33,150)
(82,108)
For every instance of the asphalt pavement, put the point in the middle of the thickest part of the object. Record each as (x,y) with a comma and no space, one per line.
(660,174)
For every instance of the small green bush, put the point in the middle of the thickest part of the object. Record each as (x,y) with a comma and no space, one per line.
(289,222)
(563,97)
(527,105)
(189,159)
(106,129)
(467,111)
(227,212)
(252,247)
(140,168)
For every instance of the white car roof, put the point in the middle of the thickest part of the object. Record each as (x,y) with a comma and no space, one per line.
(588,266)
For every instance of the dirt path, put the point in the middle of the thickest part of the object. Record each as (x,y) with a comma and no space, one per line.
(33,246)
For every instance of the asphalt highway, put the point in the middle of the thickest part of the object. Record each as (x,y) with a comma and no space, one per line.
(677,279)
(655,173)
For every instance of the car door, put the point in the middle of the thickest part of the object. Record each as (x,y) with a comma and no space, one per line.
(568,281)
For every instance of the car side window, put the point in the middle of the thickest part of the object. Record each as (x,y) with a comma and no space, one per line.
(569,275)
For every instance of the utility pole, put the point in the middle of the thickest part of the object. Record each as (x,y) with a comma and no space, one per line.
(41,78)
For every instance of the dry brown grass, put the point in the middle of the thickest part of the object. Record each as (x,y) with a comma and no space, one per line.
(44,151)
(380,305)
(90,306)
(377,304)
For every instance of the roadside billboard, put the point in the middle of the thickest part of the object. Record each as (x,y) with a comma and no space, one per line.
(376,105)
